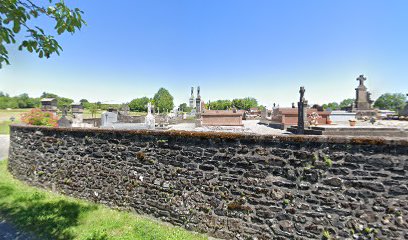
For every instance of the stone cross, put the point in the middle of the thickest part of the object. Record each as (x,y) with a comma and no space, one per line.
(301,112)
(361,78)
(302,94)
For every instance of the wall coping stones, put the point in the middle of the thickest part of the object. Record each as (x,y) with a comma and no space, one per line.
(231,136)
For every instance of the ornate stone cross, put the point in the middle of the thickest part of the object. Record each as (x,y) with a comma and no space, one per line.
(361,78)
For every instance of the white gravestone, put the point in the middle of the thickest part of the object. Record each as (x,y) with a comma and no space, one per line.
(149,120)
(108,118)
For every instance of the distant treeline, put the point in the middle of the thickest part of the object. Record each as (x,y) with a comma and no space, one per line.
(20,101)
(387,101)
(238,103)
(25,101)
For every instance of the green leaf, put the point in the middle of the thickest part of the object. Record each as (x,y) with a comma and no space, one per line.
(16,27)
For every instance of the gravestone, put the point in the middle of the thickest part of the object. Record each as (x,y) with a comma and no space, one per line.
(64,121)
(108,118)
(363,99)
(150,120)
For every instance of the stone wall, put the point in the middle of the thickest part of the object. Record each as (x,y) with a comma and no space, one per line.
(228,185)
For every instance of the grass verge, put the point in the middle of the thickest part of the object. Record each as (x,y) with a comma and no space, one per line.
(5,127)
(53,216)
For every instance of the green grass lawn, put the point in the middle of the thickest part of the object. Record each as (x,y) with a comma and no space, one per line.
(53,216)
(4,127)
(5,116)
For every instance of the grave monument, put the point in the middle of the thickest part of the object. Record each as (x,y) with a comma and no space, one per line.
(192,98)
(363,100)
(198,102)
(150,120)
(302,112)
(108,118)
(363,103)
(64,121)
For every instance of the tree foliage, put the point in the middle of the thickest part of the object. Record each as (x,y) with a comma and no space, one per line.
(391,101)
(244,103)
(92,107)
(332,106)
(163,100)
(220,105)
(184,108)
(83,101)
(139,104)
(16,18)
(239,103)
(20,101)
(346,103)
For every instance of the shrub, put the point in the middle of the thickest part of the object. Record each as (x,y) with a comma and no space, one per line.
(39,118)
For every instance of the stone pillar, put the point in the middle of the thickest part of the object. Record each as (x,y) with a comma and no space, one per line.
(198,102)
(192,98)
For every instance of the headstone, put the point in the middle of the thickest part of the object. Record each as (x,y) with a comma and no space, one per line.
(64,122)
(363,99)
(150,120)
(302,112)
(108,118)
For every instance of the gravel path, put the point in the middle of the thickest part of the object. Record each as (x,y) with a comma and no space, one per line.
(9,232)
(250,127)
(4,146)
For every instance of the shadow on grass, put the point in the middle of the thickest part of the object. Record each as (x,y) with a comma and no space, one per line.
(49,219)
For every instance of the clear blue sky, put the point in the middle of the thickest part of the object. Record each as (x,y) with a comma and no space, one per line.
(231,48)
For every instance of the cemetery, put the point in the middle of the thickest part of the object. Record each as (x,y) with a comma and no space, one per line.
(284,173)
(359,119)
(262,127)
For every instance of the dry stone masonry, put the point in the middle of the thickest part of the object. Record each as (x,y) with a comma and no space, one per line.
(230,186)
